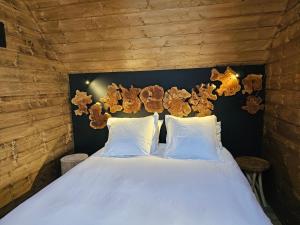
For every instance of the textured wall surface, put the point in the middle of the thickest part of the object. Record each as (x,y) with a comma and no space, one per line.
(34,111)
(282,117)
(115,35)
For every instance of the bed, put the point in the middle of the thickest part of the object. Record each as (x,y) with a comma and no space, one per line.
(148,190)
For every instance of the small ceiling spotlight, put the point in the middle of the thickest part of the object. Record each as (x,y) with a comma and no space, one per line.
(87,82)
(237,75)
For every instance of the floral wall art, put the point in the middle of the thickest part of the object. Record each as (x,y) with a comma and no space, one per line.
(176,101)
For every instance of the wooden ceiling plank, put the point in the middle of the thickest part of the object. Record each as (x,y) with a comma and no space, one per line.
(158,17)
(107,35)
(191,27)
(101,8)
(167,4)
(192,61)
(152,53)
(160,4)
(265,33)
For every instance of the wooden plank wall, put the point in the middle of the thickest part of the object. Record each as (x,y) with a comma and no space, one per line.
(35,127)
(128,35)
(113,35)
(282,117)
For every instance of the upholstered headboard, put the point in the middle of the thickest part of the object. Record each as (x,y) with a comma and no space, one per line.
(241,131)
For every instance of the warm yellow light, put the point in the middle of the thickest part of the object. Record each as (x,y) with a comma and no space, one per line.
(97,88)
(237,75)
(87,82)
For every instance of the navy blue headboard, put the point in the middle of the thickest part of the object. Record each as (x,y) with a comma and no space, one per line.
(241,131)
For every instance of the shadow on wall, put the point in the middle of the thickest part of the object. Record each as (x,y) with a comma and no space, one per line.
(280,192)
(47,169)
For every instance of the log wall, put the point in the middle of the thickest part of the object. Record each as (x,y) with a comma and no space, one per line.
(282,117)
(49,38)
(127,35)
(35,127)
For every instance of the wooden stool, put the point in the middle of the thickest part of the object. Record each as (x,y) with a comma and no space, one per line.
(253,168)
(69,161)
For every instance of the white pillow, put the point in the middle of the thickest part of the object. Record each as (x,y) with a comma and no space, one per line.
(130,136)
(219,137)
(160,151)
(155,142)
(192,138)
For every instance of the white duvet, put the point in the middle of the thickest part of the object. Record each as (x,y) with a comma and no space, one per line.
(144,191)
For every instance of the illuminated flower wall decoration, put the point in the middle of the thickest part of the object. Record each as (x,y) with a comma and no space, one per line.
(152,97)
(81,100)
(229,82)
(175,101)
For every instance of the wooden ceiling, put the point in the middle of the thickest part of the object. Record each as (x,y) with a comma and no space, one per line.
(96,35)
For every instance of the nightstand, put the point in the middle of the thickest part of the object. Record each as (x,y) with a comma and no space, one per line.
(69,161)
(253,168)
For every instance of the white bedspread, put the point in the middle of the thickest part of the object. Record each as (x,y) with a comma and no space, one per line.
(144,191)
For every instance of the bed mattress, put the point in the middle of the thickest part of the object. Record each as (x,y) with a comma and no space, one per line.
(144,190)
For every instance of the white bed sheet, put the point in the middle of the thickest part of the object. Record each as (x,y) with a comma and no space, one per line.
(144,190)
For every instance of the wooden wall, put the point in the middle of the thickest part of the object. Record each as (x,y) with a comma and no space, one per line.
(282,117)
(34,109)
(114,35)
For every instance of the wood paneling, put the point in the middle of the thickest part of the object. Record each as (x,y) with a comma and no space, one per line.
(157,34)
(282,117)
(46,39)
(34,109)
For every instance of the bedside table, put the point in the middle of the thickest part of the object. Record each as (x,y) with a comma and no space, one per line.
(253,168)
(69,161)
